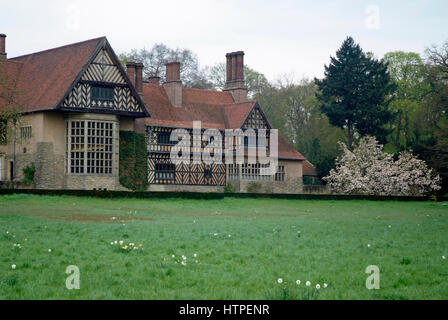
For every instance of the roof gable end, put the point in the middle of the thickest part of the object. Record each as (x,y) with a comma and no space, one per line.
(103,68)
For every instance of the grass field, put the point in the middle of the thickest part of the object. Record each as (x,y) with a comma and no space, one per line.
(242,247)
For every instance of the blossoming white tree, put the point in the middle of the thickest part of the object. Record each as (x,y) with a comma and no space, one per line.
(369,170)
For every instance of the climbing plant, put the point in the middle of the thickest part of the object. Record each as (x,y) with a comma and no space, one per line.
(133,161)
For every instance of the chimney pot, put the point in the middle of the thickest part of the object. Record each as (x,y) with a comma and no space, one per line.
(3,46)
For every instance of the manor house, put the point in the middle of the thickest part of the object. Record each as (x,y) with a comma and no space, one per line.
(74,100)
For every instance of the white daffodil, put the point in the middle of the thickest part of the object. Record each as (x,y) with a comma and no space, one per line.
(49,250)
(298,282)
(308,283)
(325,285)
(195,255)
(13,266)
(280,280)
(317,286)
(368,245)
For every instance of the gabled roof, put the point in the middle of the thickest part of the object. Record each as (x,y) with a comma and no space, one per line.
(236,113)
(44,77)
(309,169)
(215,109)
(286,151)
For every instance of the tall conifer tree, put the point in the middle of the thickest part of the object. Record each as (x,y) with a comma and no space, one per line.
(356,92)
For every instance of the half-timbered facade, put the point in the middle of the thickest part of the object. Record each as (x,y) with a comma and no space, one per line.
(75,99)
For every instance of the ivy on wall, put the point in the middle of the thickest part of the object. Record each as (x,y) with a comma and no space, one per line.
(133,161)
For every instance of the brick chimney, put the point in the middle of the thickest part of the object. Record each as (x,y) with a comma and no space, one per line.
(130,70)
(173,84)
(139,78)
(2,46)
(154,80)
(235,76)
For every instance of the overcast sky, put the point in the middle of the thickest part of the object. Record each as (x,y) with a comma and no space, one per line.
(278,37)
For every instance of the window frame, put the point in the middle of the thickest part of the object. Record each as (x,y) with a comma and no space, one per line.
(280,175)
(102,89)
(90,147)
(26,132)
(166,140)
(164,171)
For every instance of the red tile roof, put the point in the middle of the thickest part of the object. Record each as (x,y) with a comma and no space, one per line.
(309,169)
(236,113)
(198,105)
(215,109)
(9,73)
(286,151)
(45,76)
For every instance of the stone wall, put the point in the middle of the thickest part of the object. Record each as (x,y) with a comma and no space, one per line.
(293,181)
(49,167)
(91,182)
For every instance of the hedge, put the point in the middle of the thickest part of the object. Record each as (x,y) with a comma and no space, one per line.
(211,195)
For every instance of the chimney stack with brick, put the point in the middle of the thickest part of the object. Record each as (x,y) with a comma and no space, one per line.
(139,78)
(2,46)
(154,80)
(130,70)
(235,76)
(173,84)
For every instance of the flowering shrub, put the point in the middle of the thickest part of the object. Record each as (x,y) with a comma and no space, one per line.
(123,247)
(369,170)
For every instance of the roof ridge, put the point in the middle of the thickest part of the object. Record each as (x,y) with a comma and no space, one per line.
(242,102)
(208,90)
(56,48)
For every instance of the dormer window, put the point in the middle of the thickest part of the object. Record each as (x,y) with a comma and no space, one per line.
(102,93)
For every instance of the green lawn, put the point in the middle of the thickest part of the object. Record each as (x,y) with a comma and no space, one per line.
(242,245)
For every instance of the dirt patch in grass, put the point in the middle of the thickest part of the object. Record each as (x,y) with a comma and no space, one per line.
(84,217)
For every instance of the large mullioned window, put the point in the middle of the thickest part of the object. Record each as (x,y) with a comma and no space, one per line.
(89,147)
